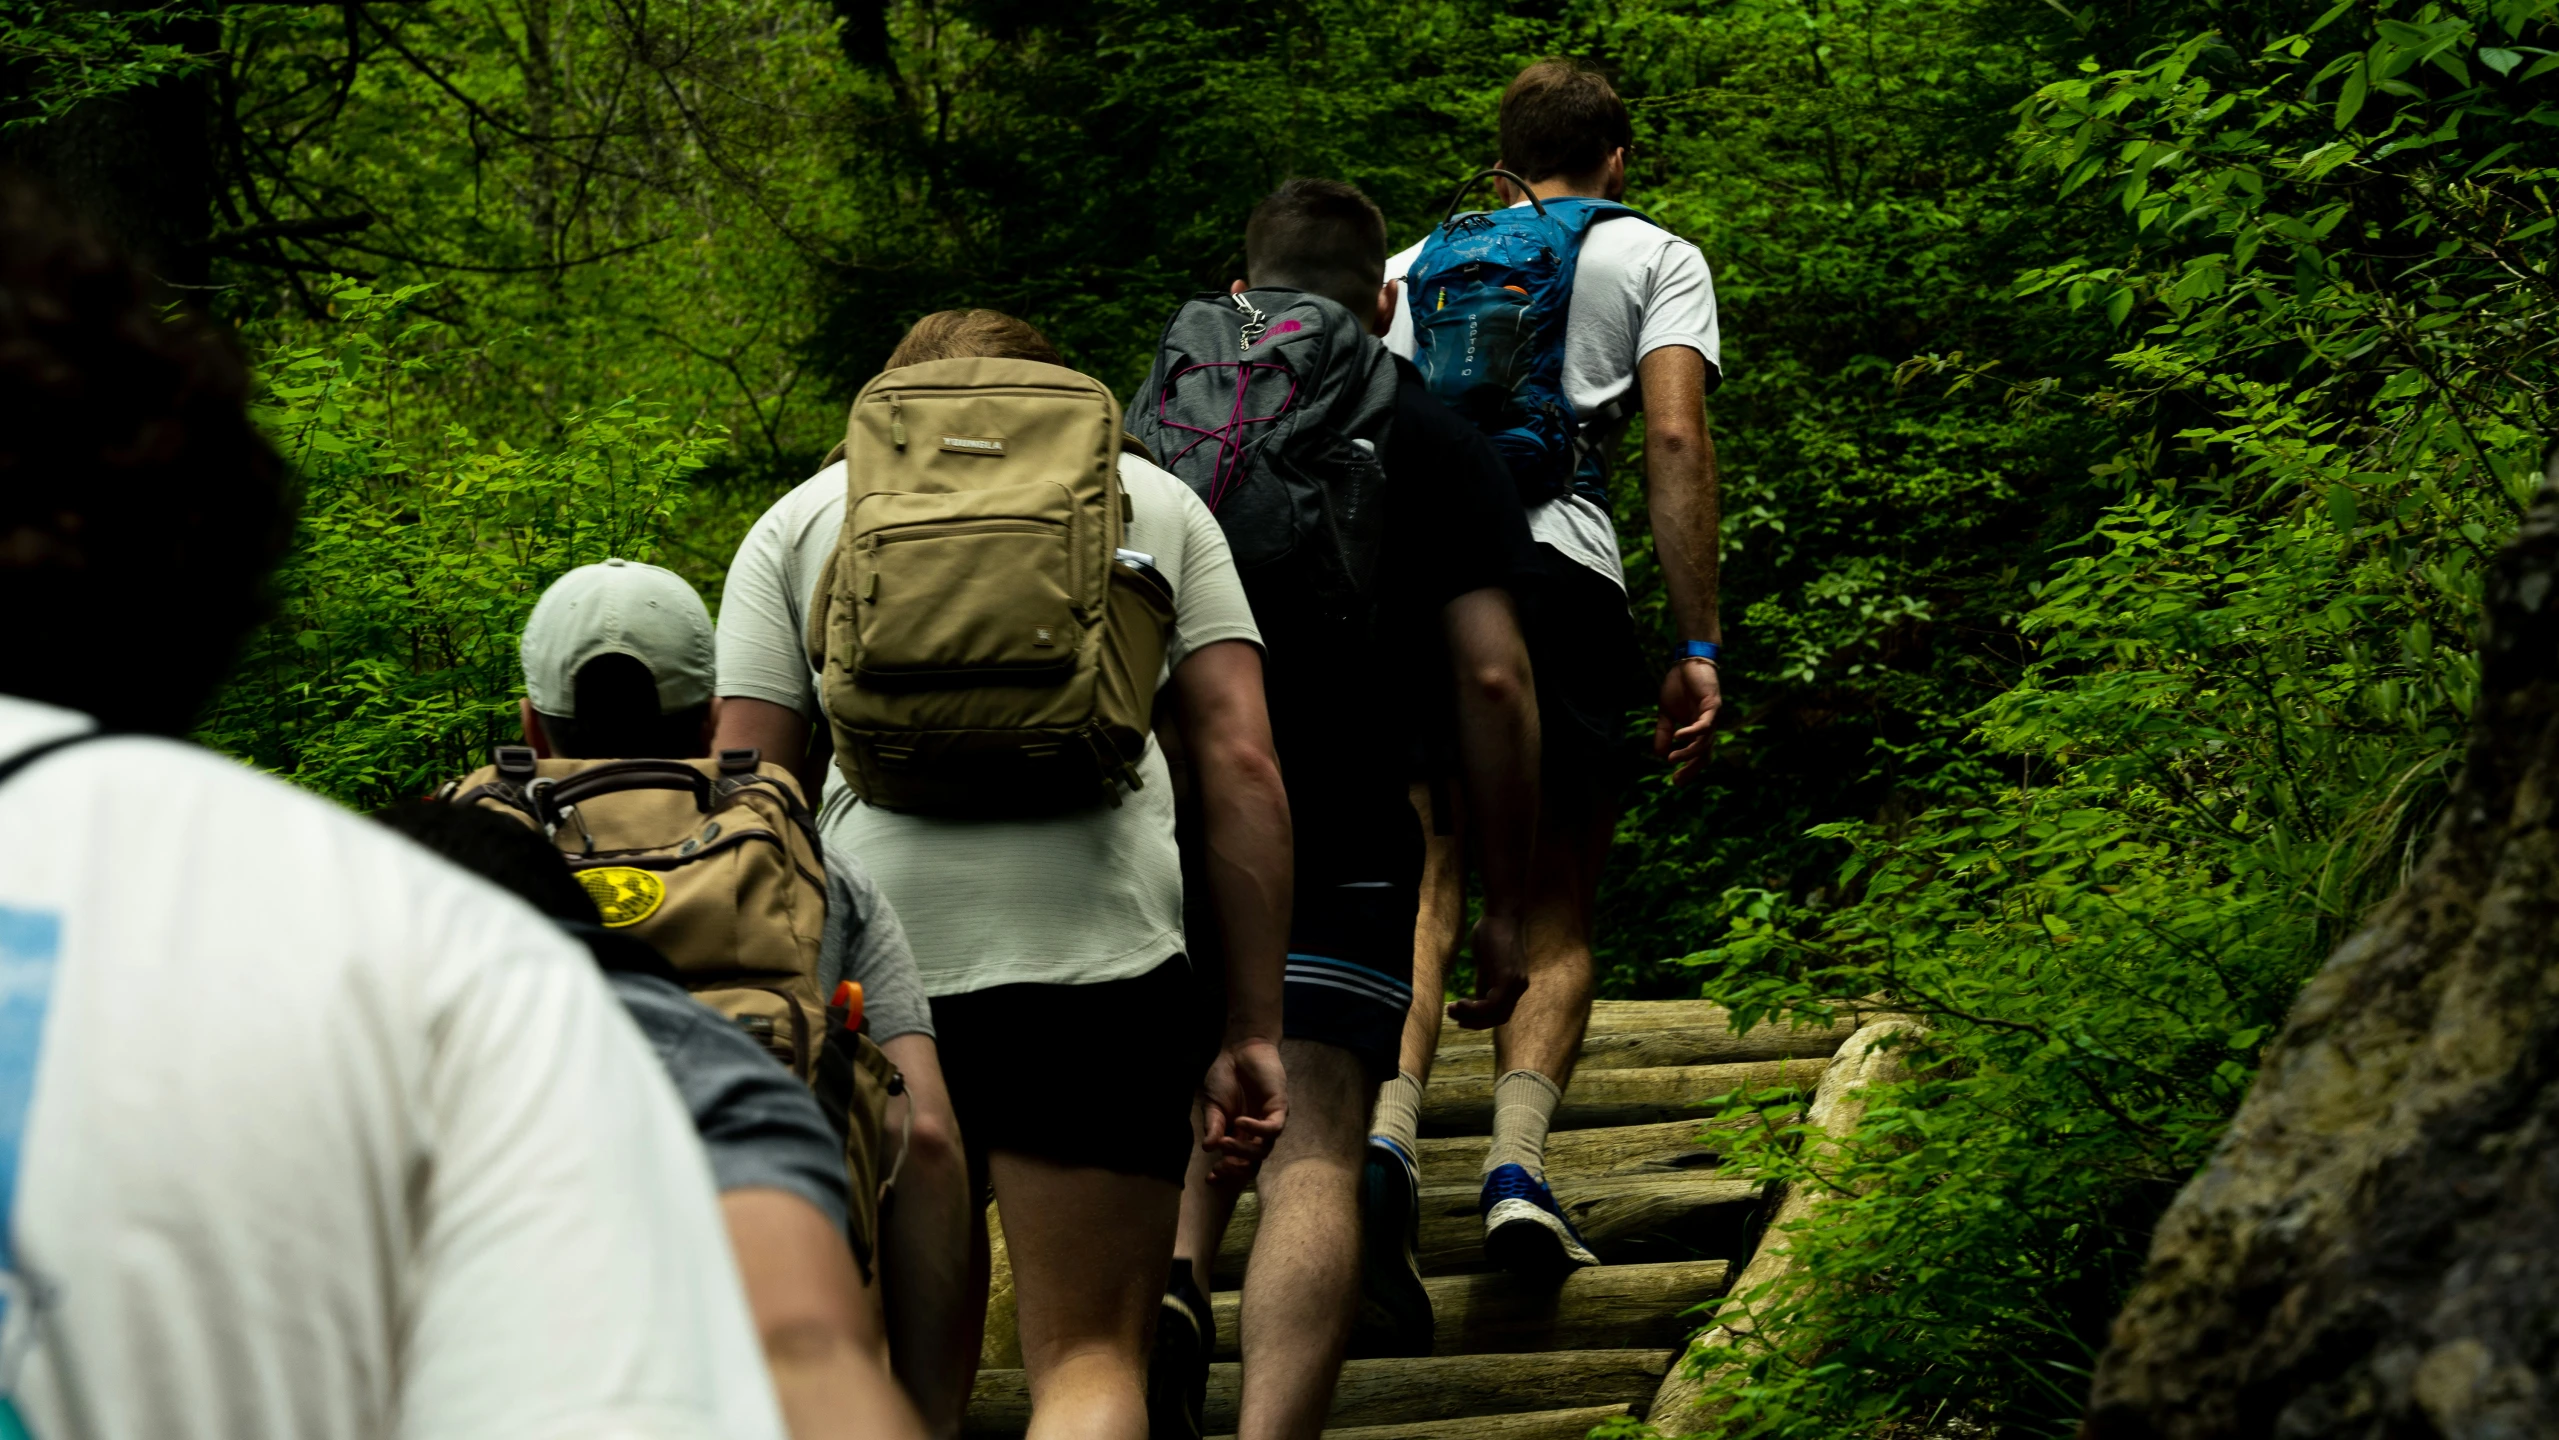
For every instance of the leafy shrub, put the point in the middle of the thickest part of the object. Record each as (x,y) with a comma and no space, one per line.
(2246,691)
(391,664)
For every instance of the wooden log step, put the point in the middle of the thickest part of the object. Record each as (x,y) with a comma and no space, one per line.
(1613,1307)
(1538,1425)
(1666,1147)
(1397,1392)
(1625,1218)
(1463,1105)
(1643,1049)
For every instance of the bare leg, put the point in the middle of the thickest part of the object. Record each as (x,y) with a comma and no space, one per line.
(1435,932)
(1088,1248)
(936,1319)
(1206,1206)
(1545,1032)
(1302,1291)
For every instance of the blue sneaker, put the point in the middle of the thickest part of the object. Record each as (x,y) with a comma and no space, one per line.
(1524,1230)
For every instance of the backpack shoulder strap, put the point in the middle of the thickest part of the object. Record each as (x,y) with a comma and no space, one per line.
(10,767)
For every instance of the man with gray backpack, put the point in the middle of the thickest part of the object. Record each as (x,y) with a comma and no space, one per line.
(1378,537)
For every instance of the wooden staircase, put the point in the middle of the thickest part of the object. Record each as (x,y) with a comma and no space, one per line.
(1634,1167)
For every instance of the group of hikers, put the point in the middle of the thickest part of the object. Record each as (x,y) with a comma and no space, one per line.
(1074,804)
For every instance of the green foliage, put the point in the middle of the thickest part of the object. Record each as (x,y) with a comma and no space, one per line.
(59,56)
(392,665)
(2118,410)
(2247,689)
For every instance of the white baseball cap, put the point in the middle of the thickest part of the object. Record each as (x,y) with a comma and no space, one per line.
(620,607)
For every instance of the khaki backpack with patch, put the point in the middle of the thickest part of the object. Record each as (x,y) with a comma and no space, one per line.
(716,864)
(985,645)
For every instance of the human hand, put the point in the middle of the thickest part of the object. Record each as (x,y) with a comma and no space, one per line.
(1247,1093)
(1501,973)
(1692,693)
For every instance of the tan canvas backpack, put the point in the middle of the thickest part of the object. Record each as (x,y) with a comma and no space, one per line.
(716,864)
(985,645)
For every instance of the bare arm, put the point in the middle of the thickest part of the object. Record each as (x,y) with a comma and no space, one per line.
(782,733)
(1680,492)
(1497,748)
(821,1342)
(1226,732)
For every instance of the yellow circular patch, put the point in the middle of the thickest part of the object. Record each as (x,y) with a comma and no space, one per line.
(623,895)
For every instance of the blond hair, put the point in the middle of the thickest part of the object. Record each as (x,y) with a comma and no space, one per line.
(972,334)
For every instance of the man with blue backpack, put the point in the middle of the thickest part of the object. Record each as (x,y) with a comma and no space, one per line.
(1549,323)
(1379,539)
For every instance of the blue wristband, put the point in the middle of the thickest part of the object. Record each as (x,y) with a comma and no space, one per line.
(1702,650)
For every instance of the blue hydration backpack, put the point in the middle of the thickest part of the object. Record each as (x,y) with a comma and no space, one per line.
(1490,293)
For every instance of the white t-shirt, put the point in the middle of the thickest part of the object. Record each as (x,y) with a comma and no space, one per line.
(329,1140)
(1073,899)
(1637,288)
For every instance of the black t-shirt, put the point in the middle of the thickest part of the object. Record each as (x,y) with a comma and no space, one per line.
(1348,702)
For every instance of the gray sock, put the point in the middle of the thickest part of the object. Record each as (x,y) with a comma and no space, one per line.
(1399,1113)
(1523,1106)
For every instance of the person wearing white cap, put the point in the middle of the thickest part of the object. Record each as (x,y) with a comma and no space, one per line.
(619,662)
(654,700)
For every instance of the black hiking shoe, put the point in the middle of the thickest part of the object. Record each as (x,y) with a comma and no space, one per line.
(1394,1308)
(1177,1373)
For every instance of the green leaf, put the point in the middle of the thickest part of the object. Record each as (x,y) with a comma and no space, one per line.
(2501,60)
(2350,97)
(2342,506)
(2119,308)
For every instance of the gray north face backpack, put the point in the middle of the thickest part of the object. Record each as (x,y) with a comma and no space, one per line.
(1273,405)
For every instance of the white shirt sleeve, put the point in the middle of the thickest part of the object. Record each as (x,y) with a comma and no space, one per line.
(1208,596)
(763,643)
(1678,308)
(572,1272)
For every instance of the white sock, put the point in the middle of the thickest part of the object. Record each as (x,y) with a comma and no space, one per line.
(1523,1106)
(1399,1113)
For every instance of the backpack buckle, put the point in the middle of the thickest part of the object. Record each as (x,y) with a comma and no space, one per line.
(741,760)
(515,762)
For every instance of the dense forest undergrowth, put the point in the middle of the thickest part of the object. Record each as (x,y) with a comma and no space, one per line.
(2121,401)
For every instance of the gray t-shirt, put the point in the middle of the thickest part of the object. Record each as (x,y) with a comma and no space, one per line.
(760,1126)
(865,944)
(1075,899)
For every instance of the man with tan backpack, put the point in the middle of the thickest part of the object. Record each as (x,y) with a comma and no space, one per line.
(710,868)
(986,602)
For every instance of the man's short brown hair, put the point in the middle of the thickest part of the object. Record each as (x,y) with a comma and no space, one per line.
(970,335)
(1561,117)
(1322,236)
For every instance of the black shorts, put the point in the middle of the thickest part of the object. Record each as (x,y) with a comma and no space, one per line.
(1590,676)
(1358,891)
(1099,1075)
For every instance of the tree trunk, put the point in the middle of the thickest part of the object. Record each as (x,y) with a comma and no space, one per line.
(2374,1248)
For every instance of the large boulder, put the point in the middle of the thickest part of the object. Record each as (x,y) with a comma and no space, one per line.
(2373,1249)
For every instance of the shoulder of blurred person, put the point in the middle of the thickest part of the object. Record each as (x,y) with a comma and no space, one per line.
(387,1131)
(320,1136)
